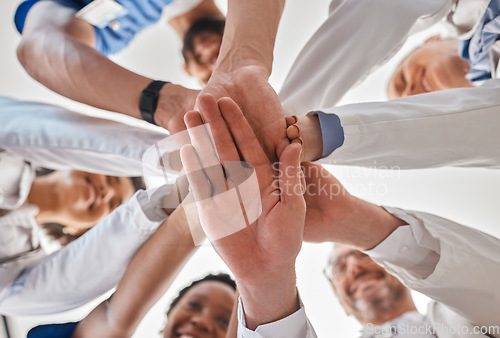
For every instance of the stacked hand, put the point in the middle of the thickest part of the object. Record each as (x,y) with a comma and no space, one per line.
(262,255)
(248,86)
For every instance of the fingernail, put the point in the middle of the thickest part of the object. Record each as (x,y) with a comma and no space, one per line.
(292,132)
(291,120)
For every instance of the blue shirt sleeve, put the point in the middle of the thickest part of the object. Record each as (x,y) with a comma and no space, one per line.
(332,132)
(111,39)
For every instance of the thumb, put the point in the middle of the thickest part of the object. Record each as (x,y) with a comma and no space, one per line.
(290,174)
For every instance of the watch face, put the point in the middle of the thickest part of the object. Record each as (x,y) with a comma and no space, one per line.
(149,100)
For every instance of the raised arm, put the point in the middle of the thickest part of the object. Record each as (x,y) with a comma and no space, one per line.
(148,276)
(104,251)
(201,9)
(57,50)
(244,65)
(452,127)
(56,138)
(427,253)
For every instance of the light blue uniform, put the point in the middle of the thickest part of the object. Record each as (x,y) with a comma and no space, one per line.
(112,38)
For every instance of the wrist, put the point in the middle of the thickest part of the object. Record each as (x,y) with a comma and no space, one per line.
(173,102)
(367,225)
(268,298)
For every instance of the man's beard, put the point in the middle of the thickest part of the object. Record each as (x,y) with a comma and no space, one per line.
(368,310)
(208,24)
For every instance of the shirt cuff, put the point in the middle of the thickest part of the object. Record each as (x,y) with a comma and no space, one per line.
(147,213)
(331,131)
(403,247)
(293,326)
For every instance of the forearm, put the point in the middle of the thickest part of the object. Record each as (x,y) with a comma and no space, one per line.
(60,284)
(365,226)
(148,276)
(152,271)
(55,51)
(250,33)
(205,8)
(437,129)
(58,139)
(459,259)
(72,68)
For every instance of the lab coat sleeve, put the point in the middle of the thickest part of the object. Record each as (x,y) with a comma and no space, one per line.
(455,127)
(357,38)
(464,275)
(87,267)
(296,325)
(55,138)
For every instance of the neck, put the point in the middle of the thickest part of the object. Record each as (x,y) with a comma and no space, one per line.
(206,9)
(43,194)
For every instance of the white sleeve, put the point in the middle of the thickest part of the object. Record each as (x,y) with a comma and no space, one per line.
(357,37)
(55,138)
(296,325)
(464,276)
(455,127)
(87,267)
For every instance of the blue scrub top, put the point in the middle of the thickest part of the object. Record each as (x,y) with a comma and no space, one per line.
(53,331)
(140,14)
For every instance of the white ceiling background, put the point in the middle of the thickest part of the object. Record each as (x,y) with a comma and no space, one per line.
(469,196)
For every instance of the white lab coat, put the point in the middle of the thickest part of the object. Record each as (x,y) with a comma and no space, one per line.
(55,138)
(447,128)
(436,129)
(457,266)
(463,281)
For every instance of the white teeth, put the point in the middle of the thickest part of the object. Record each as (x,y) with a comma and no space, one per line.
(426,85)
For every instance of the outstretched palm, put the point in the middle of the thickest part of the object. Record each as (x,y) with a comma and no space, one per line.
(272,242)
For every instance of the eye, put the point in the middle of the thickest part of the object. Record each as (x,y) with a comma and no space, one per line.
(340,268)
(223,321)
(402,78)
(194,305)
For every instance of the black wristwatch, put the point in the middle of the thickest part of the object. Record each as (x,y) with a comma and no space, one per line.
(149,100)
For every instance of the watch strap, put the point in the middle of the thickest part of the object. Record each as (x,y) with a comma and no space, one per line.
(149,100)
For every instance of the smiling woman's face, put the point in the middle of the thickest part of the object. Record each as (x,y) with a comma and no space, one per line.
(433,66)
(85,198)
(203,312)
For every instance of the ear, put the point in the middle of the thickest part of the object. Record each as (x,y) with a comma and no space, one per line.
(433,38)
(186,69)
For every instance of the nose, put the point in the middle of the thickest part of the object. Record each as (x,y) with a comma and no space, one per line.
(353,267)
(203,322)
(106,192)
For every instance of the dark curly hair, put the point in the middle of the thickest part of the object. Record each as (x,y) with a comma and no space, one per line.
(221,277)
(209,24)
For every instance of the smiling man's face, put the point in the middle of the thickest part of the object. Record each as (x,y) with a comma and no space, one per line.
(433,66)
(364,288)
